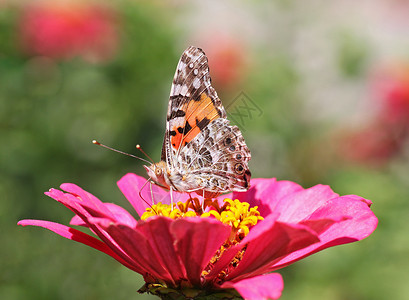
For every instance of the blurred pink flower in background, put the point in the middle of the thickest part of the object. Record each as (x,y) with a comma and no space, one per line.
(227,60)
(178,254)
(384,135)
(69,29)
(372,145)
(391,88)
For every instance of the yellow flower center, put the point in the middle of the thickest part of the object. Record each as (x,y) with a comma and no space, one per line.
(238,215)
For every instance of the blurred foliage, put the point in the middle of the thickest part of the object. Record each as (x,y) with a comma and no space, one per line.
(352,54)
(51,109)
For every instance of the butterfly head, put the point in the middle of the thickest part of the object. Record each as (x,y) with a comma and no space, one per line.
(158,173)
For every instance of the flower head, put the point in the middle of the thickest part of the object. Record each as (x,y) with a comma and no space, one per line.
(391,88)
(62,30)
(385,134)
(228,59)
(233,244)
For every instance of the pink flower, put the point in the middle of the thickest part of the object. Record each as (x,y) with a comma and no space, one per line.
(386,133)
(62,30)
(227,59)
(373,145)
(185,253)
(391,88)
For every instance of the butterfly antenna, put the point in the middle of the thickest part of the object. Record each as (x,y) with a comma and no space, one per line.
(140,149)
(115,150)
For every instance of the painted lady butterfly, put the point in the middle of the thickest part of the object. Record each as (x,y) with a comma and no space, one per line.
(201,152)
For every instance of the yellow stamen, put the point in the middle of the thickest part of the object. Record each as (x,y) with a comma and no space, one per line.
(238,215)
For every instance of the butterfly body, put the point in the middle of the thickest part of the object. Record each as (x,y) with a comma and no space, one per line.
(201,152)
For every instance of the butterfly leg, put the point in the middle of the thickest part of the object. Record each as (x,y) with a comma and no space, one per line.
(171,199)
(203,202)
(150,186)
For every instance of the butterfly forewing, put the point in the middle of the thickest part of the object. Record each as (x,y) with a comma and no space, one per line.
(201,150)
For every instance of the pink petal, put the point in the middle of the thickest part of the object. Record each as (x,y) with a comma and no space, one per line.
(135,245)
(361,223)
(159,235)
(119,214)
(87,214)
(62,198)
(68,200)
(321,225)
(78,236)
(269,241)
(92,204)
(300,205)
(141,245)
(266,193)
(132,185)
(77,221)
(269,286)
(197,240)
(78,205)
(265,264)
(223,262)
(285,199)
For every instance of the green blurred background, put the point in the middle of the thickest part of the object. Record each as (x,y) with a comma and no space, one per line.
(328,83)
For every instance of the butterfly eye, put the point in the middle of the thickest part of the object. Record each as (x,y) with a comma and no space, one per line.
(158,172)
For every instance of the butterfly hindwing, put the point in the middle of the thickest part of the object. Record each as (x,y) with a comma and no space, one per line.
(217,159)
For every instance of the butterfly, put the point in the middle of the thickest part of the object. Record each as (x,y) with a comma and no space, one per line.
(201,151)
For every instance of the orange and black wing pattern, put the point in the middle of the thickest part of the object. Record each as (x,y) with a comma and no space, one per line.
(193,103)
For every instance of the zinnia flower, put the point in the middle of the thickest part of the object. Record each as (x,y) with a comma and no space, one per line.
(67,30)
(232,246)
(227,59)
(390,87)
(385,134)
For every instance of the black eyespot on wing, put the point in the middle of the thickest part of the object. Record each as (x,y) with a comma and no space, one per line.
(227,141)
(172,133)
(239,168)
(232,148)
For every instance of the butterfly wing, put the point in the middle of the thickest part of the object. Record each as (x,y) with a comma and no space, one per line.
(217,160)
(201,149)
(193,103)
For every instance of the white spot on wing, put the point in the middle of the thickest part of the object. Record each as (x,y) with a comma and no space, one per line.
(181,66)
(196,83)
(175,89)
(184,90)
